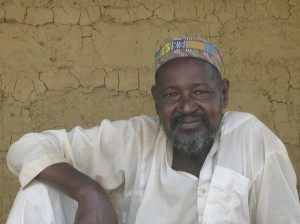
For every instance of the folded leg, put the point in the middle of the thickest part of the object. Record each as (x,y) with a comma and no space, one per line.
(39,203)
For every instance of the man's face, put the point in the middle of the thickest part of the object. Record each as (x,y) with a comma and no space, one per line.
(189,102)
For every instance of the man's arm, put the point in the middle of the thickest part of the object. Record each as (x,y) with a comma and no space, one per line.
(51,157)
(94,205)
(102,153)
(277,198)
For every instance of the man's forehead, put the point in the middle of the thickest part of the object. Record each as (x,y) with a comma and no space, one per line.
(185,70)
(184,64)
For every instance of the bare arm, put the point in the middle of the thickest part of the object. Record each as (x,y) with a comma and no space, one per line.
(94,205)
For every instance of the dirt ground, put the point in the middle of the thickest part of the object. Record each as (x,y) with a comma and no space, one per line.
(69,62)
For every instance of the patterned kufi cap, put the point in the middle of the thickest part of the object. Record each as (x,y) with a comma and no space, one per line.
(195,47)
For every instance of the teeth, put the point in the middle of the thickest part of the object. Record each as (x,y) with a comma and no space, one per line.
(189,121)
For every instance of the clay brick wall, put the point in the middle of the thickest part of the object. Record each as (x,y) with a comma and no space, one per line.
(70,62)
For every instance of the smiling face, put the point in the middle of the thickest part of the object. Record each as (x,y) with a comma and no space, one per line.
(189,100)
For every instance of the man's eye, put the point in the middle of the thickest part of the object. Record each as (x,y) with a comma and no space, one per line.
(201,92)
(173,94)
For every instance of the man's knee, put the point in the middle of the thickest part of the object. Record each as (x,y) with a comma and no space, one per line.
(40,203)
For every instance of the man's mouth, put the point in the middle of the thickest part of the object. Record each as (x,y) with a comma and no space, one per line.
(189,123)
(193,121)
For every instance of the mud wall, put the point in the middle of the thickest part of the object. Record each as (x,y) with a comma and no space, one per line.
(70,62)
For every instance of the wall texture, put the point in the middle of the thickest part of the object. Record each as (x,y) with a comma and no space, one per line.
(74,62)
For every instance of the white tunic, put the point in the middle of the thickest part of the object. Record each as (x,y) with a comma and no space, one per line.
(247,176)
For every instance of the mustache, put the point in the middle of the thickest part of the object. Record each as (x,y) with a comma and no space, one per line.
(195,116)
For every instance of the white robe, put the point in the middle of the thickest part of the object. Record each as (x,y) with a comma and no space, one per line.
(247,176)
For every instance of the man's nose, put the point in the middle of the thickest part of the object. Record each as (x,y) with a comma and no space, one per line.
(188,105)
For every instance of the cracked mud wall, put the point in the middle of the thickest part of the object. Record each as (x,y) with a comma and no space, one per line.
(72,62)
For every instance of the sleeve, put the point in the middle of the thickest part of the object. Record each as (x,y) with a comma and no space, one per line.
(34,152)
(108,153)
(275,185)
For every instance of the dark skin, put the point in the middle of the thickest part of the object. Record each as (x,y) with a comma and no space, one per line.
(190,163)
(183,86)
(94,205)
(187,86)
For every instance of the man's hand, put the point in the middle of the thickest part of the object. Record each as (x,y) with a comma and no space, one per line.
(94,205)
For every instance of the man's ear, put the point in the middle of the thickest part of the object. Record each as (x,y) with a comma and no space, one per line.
(154,96)
(224,92)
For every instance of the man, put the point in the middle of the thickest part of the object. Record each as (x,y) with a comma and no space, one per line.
(192,164)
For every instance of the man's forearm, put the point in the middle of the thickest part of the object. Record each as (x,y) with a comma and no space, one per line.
(67,179)
(94,205)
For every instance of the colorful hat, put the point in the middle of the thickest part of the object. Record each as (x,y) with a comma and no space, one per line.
(195,47)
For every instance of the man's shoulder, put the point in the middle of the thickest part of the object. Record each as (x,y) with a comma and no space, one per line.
(145,118)
(245,124)
(137,123)
(233,121)
(238,116)
(141,119)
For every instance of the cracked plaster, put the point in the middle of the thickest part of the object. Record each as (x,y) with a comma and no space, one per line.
(71,62)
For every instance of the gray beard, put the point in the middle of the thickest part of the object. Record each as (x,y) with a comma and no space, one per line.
(191,143)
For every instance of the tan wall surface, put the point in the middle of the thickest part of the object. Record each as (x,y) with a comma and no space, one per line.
(70,62)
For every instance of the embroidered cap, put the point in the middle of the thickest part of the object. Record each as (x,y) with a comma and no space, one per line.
(195,47)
